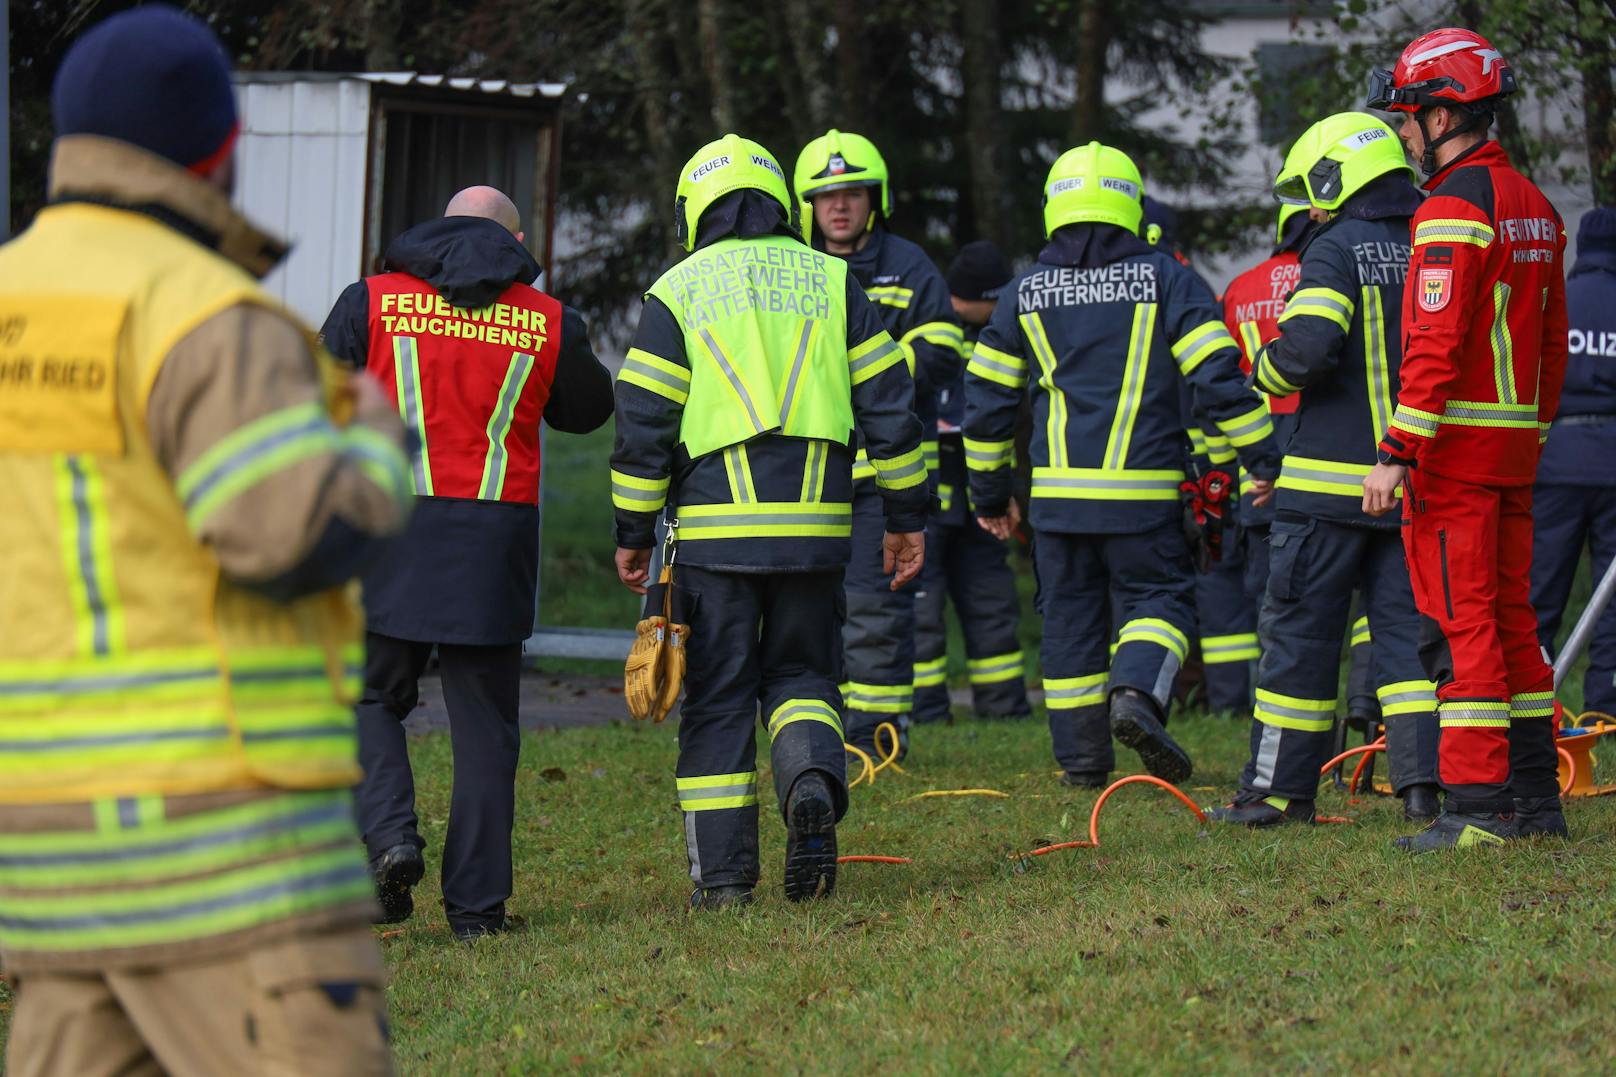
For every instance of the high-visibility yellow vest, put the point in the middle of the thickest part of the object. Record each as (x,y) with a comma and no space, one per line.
(129,665)
(765,326)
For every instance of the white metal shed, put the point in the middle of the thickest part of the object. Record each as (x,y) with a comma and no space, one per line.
(341,163)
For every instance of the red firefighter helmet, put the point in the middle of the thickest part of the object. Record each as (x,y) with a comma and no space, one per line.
(1454,67)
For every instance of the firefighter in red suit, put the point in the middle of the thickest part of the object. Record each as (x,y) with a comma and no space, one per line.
(1484,315)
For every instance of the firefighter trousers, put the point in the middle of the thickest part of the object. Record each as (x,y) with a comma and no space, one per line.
(1149,580)
(1314,567)
(769,640)
(1470,558)
(968,566)
(1565,520)
(1228,621)
(879,637)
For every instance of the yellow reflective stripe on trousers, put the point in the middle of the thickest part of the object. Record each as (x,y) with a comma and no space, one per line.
(1406,697)
(901,472)
(1327,303)
(803,710)
(739,470)
(1503,346)
(1377,369)
(1157,631)
(732,377)
(656,375)
(995,668)
(1360,632)
(1249,427)
(412,407)
(1531,705)
(81,513)
(1294,712)
(1238,647)
(1032,327)
(993,365)
(879,698)
(765,519)
(1069,693)
(634,494)
(1102,484)
(932,672)
(248,455)
(1133,386)
(799,360)
(1454,230)
(1473,714)
(499,426)
(710,792)
(1195,347)
(813,471)
(866,360)
(988,455)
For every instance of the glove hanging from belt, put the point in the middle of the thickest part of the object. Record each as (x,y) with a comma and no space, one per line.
(1206,503)
(655,670)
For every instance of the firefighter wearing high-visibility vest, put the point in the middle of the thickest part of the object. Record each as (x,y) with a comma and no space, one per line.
(189,482)
(755,360)
(1102,330)
(845,179)
(1339,343)
(964,564)
(1484,359)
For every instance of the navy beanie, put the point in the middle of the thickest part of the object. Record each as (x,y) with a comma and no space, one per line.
(978,272)
(1598,230)
(153,77)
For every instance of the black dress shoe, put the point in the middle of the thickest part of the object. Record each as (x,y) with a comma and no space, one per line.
(1086,779)
(1258,810)
(1420,803)
(397,870)
(720,897)
(1135,724)
(810,839)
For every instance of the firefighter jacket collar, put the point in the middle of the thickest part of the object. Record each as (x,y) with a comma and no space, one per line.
(107,172)
(1088,246)
(1487,154)
(744,214)
(470,261)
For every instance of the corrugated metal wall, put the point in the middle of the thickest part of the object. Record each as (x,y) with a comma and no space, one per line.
(301,176)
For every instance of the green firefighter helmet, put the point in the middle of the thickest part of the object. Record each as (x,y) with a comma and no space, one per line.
(1093,184)
(1287,210)
(1336,158)
(837,160)
(732,163)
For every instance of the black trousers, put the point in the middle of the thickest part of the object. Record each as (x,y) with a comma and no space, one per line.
(773,641)
(482,688)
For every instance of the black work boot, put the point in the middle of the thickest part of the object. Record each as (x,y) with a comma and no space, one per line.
(397,870)
(720,897)
(1135,724)
(1465,824)
(469,932)
(1258,810)
(810,838)
(1540,816)
(1420,802)
(1086,779)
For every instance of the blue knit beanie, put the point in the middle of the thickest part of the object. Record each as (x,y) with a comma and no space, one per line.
(1598,230)
(153,77)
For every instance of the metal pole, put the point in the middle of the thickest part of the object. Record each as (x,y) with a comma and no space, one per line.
(1579,637)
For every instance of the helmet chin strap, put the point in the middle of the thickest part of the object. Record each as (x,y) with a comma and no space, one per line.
(1472,120)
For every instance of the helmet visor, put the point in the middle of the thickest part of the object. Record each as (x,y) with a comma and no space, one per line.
(840,185)
(1383,94)
(1291,191)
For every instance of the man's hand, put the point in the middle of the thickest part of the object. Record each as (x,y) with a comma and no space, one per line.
(903,553)
(1002,527)
(1262,491)
(634,568)
(1380,488)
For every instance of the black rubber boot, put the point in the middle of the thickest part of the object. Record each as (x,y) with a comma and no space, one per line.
(1254,809)
(720,897)
(1135,724)
(1465,825)
(1086,779)
(1421,803)
(1540,817)
(810,839)
(397,871)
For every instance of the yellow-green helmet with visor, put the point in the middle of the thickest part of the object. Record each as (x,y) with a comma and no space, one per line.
(837,160)
(1336,158)
(1093,184)
(732,163)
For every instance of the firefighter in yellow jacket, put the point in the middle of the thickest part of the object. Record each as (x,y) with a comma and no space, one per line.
(187,485)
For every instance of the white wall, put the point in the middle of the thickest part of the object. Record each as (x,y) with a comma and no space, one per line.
(301,176)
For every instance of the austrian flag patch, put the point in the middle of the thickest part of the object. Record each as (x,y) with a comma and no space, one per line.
(1436,288)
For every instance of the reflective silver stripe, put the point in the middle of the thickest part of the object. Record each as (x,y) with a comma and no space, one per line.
(58,743)
(408,371)
(499,426)
(84,521)
(1207,334)
(64,686)
(1300,305)
(717,792)
(857,366)
(983,361)
(1088,483)
(796,370)
(661,377)
(1380,398)
(1415,423)
(734,379)
(1267,757)
(823,713)
(745,519)
(1393,699)
(986,457)
(1503,347)
(1517,415)
(886,476)
(1251,426)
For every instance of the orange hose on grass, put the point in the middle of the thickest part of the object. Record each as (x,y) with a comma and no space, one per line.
(873,860)
(1094,816)
(1571,769)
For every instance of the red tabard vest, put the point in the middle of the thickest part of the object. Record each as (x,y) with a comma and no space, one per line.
(1252,305)
(470,384)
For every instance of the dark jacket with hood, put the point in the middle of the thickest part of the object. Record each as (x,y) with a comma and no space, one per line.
(1582,441)
(466,571)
